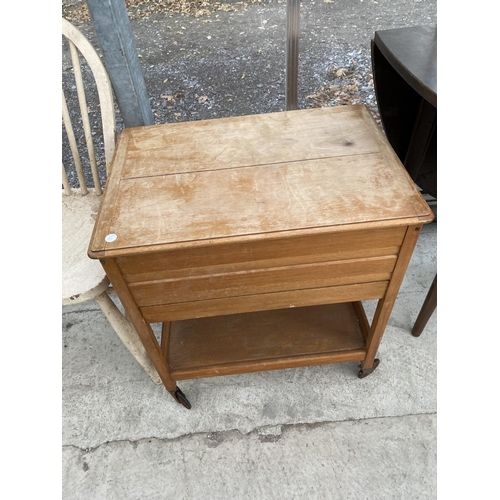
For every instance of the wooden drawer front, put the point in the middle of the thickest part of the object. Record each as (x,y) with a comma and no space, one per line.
(263,281)
(268,253)
(264,302)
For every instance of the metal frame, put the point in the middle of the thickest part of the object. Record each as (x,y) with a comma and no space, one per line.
(292,53)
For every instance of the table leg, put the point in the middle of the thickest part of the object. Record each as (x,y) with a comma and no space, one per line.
(385,304)
(144,331)
(165,338)
(125,330)
(428,307)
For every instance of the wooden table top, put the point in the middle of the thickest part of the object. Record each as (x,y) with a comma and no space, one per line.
(203,182)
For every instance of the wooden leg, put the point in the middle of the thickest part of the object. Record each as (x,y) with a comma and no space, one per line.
(144,331)
(379,322)
(124,329)
(364,372)
(385,305)
(363,320)
(165,338)
(428,307)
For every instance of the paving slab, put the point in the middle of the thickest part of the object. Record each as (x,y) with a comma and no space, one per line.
(381,458)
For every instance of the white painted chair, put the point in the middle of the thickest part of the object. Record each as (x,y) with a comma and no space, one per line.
(84,279)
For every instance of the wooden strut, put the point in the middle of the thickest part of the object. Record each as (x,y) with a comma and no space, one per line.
(385,305)
(143,329)
(127,335)
(165,338)
(428,307)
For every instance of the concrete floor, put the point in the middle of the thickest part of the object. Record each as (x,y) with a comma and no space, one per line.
(315,432)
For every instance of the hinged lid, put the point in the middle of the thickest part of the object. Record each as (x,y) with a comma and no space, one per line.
(251,176)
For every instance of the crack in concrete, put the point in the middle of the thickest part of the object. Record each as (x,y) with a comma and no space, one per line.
(216,438)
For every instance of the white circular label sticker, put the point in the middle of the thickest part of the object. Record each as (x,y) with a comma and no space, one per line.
(110,238)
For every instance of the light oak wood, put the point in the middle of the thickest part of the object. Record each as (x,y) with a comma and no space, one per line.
(243,141)
(165,338)
(254,200)
(296,216)
(355,185)
(266,335)
(143,329)
(287,250)
(385,305)
(263,281)
(363,320)
(214,244)
(273,364)
(125,331)
(265,301)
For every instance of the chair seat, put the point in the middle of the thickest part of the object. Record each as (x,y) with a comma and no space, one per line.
(82,277)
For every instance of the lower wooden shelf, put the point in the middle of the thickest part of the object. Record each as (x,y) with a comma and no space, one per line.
(267,340)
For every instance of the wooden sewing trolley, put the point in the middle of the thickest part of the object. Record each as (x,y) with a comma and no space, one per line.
(254,239)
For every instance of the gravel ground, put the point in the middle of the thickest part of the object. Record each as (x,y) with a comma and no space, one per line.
(204,60)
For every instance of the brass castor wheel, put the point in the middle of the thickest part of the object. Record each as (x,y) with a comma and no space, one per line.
(181,398)
(364,373)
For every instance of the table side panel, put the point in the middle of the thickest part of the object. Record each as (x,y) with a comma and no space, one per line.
(286,250)
(263,281)
(269,364)
(265,302)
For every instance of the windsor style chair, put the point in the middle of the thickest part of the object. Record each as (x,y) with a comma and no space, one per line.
(84,279)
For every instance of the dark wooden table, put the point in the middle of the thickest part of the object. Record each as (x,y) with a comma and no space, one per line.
(405,79)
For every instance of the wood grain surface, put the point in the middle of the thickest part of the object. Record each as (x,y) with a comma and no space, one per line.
(263,340)
(286,250)
(264,301)
(298,170)
(255,239)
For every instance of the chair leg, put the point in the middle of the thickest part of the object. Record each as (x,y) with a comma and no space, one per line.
(124,329)
(428,307)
